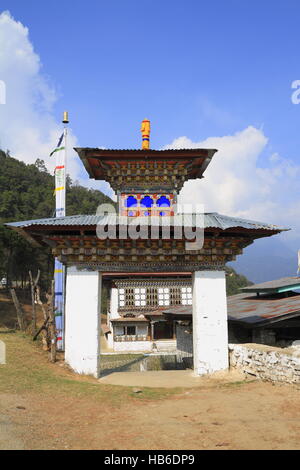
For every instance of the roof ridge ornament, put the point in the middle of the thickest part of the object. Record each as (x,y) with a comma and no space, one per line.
(145,130)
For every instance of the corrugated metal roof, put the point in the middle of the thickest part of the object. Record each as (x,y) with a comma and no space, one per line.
(253,310)
(179,310)
(279,285)
(75,220)
(143,151)
(215,220)
(211,220)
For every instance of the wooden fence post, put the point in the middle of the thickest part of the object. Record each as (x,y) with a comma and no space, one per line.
(20,314)
(33,283)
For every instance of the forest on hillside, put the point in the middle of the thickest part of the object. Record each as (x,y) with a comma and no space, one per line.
(26,192)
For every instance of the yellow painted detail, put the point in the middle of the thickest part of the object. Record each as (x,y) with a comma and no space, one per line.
(145,130)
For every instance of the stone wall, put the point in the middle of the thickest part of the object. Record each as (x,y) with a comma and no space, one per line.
(139,362)
(266,362)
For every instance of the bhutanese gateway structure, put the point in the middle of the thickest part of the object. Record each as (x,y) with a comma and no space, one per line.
(145,274)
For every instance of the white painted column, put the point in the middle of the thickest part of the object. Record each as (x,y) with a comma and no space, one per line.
(83,320)
(114,306)
(2,352)
(210,333)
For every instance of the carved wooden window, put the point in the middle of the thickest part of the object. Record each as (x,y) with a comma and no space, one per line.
(129,330)
(154,296)
(175,295)
(132,297)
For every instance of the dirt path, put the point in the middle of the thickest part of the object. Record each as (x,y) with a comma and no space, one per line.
(170,378)
(250,416)
(45,406)
(8,437)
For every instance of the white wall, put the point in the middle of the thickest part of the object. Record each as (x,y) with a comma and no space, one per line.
(2,353)
(83,320)
(109,340)
(210,336)
(144,346)
(112,314)
(118,329)
(140,329)
(113,310)
(132,345)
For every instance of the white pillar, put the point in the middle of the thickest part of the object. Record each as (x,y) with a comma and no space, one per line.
(112,314)
(2,352)
(83,321)
(114,306)
(210,334)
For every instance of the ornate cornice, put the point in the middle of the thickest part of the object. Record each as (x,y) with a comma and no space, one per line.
(147,267)
(152,283)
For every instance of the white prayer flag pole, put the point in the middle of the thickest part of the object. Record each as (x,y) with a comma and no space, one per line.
(60,205)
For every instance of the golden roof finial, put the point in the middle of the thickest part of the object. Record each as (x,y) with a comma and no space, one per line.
(65,117)
(145,130)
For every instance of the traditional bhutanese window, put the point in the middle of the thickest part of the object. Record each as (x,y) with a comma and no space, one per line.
(129,330)
(152,297)
(146,201)
(163,296)
(175,295)
(163,201)
(126,330)
(186,296)
(122,297)
(135,205)
(140,296)
(131,201)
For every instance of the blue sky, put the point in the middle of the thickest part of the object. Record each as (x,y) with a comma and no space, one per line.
(195,68)
(212,74)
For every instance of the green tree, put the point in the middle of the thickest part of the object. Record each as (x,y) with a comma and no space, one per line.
(235,281)
(27,192)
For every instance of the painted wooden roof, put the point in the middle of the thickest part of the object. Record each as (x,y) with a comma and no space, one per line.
(137,169)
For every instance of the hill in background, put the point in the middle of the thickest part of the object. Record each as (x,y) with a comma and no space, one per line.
(267,259)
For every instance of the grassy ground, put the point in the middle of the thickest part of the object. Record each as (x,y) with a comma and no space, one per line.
(47,406)
(28,370)
(8,317)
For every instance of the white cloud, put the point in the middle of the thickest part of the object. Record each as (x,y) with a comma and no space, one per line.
(234,183)
(28,127)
